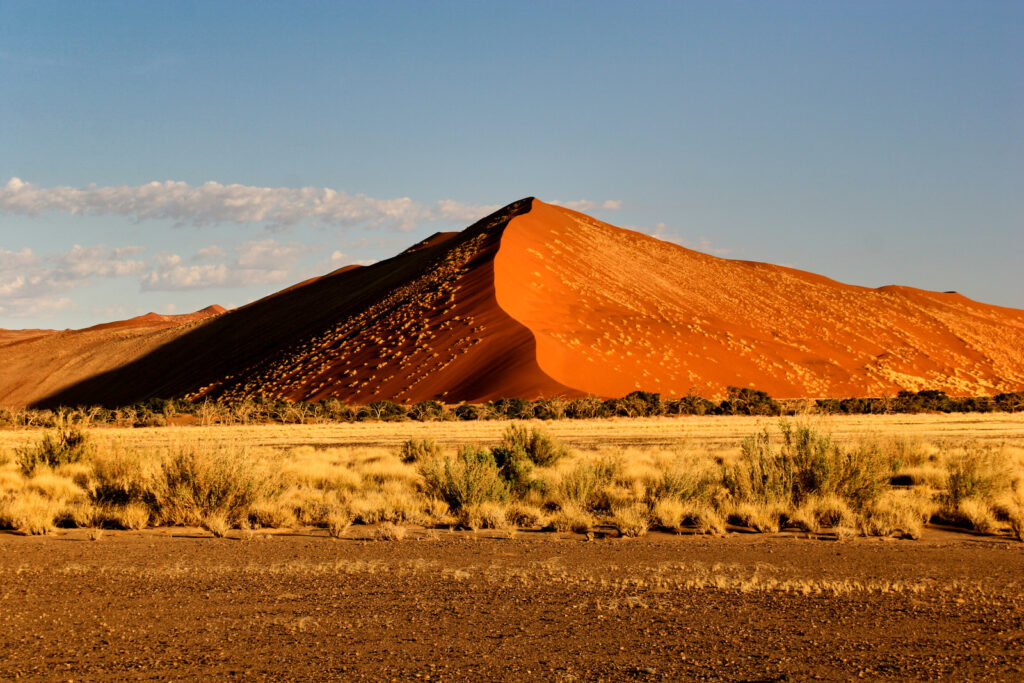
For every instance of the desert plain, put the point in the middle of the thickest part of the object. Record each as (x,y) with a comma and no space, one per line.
(352,567)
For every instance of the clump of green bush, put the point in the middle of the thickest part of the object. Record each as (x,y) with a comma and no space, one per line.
(805,463)
(477,475)
(66,445)
(417,450)
(470,478)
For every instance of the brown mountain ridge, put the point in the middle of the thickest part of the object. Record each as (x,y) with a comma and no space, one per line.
(536,300)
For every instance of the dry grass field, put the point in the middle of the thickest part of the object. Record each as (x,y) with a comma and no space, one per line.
(648,549)
(872,475)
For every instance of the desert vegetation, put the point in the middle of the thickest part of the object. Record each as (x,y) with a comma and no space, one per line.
(738,401)
(787,475)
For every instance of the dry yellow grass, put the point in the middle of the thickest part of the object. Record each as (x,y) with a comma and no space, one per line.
(621,473)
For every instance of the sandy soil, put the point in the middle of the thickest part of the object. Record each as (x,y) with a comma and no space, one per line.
(451,606)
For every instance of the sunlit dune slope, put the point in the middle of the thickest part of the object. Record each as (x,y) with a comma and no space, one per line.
(613,311)
(424,324)
(535,300)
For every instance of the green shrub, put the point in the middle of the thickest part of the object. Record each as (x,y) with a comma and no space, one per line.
(541,449)
(470,478)
(426,411)
(581,486)
(383,410)
(516,469)
(416,450)
(196,483)
(469,411)
(587,407)
(745,401)
(118,480)
(66,445)
(973,473)
(805,464)
(682,485)
(513,408)
(690,405)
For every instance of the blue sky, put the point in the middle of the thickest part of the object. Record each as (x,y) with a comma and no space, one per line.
(153,155)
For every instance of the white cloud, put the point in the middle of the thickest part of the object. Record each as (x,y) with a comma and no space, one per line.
(16,259)
(277,207)
(256,262)
(587,205)
(35,307)
(30,285)
(99,261)
(267,254)
(210,253)
(212,203)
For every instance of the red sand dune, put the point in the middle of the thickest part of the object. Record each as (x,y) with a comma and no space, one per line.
(161,320)
(536,300)
(10,336)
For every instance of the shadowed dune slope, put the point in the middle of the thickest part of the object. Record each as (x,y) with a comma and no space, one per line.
(614,311)
(424,324)
(50,361)
(535,300)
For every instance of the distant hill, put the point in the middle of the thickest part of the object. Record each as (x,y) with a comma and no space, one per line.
(537,300)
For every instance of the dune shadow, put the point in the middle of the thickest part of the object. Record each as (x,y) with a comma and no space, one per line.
(243,339)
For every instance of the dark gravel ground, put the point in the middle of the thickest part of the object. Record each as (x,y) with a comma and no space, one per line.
(177,604)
